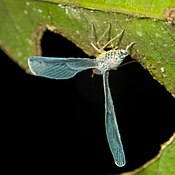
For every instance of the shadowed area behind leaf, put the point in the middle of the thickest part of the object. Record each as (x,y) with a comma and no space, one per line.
(59,124)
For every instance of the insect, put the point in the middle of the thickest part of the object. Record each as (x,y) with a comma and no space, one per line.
(65,68)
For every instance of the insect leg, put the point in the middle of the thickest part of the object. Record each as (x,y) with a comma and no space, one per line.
(98,46)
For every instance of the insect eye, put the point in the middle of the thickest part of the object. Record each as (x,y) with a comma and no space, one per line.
(124,52)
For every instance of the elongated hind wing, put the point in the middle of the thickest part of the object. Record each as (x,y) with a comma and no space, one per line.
(112,130)
(59,68)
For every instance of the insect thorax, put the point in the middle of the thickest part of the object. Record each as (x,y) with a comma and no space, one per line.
(110,59)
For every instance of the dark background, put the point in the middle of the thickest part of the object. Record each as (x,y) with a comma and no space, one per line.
(58,125)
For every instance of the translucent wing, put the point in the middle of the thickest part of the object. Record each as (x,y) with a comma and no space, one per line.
(112,130)
(59,68)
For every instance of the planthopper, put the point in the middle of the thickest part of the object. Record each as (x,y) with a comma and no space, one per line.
(65,68)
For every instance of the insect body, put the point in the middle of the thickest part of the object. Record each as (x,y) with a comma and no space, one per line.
(65,68)
(110,60)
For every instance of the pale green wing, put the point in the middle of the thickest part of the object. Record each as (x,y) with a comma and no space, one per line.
(59,68)
(111,125)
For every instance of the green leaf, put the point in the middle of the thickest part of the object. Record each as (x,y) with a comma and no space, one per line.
(163,163)
(149,8)
(24,22)
(151,24)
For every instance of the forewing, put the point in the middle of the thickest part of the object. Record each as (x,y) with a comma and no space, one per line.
(111,125)
(59,68)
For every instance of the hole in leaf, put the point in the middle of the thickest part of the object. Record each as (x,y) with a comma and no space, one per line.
(65,119)
(144,109)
